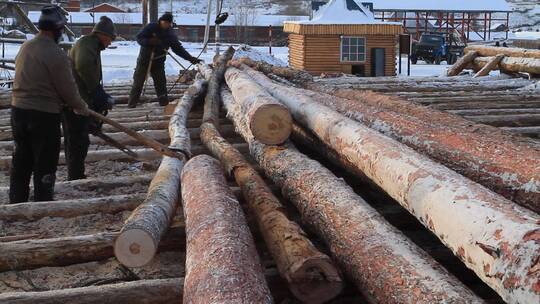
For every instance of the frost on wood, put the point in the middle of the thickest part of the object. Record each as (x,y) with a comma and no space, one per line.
(311,275)
(213,100)
(497,239)
(361,241)
(222,264)
(511,64)
(504,163)
(269,121)
(139,239)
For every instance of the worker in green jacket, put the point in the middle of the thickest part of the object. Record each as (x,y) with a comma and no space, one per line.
(86,59)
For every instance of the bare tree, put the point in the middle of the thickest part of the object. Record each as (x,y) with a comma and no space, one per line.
(244,15)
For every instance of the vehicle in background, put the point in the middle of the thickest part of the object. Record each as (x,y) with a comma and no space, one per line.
(435,48)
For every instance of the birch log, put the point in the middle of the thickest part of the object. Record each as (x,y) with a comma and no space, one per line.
(269,121)
(311,275)
(361,241)
(489,51)
(482,153)
(222,265)
(491,65)
(497,239)
(462,63)
(138,241)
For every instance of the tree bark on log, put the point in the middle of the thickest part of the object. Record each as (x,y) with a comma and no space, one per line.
(222,264)
(139,238)
(491,65)
(515,120)
(482,153)
(69,208)
(488,51)
(360,240)
(159,291)
(511,64)
(462,63)
(269,121)
(497,239)
(311,275)
(35,253)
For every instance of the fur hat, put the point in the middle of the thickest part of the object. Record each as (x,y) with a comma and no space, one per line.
(51,18)
(168,16)
(105,26)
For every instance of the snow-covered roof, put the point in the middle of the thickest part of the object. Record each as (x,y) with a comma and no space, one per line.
(342,12)
(441,5)
(180,19)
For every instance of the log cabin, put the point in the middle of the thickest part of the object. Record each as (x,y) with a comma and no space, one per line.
(344,37)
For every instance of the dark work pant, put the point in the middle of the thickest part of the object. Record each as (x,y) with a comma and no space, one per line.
(76,142)
(36,136)
(157,71)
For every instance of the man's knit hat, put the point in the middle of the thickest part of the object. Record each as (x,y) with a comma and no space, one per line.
(105,26)
(168,16)
(51,18)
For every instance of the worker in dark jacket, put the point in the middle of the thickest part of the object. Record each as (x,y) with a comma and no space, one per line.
(43,85)
(86,59)
(155,39)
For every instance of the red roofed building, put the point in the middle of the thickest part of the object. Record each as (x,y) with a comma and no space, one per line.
(105,8)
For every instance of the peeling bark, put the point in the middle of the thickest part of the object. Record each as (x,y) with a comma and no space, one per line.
(439,197)
(139,239)
(222,264)
(380,260)
(213,99)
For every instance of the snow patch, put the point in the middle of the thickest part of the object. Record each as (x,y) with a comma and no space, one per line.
(248,51)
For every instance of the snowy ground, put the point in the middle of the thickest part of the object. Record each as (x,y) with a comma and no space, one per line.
(119,61)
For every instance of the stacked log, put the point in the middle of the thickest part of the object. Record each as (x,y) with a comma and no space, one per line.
(461,64)
(222,264)
(497,239)
(138,241)
(482,153)
(361,241)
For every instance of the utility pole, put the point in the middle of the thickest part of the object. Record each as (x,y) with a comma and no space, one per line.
(145,12)
(207,28)
(153,10)
(216,27)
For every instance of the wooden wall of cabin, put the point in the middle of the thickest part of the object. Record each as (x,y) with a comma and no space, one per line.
(321,53)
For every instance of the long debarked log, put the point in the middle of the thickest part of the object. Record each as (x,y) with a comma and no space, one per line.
(269,121)
(311,275)
(159,291)
(29,254)
(360,240)
(139,238)
(504,163)
(497,239)
(491,65)
(70,208)
(488,51)
(222,264)
(511,64)
(462,63)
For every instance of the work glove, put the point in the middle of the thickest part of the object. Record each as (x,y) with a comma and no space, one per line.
(195,60)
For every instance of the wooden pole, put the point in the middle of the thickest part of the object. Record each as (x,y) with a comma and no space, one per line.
(461,64)
(512,64)
(139,239)
(496,238)
(490,51)
(149,142)
(269,121)
(222,264)
(491,65)
(360,240)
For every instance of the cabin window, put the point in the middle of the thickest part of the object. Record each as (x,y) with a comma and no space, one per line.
(353,49)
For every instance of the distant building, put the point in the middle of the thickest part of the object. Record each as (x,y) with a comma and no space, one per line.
(73,6)
(254,30)
(343,37)
(105,8)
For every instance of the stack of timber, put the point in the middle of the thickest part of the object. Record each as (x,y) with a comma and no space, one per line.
(484,59)
(276,221)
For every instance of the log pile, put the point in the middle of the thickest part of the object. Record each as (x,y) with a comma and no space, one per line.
(484,59)
(338,212)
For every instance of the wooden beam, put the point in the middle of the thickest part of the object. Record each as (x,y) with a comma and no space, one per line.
(512,64)
(489,51)
(491,65)
(462,63)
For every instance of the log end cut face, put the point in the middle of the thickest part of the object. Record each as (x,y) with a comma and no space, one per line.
(271,124)
(134,248)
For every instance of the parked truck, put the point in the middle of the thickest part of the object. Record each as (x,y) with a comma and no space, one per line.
(435,48)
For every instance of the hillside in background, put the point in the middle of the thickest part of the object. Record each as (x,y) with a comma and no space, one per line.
(526,14)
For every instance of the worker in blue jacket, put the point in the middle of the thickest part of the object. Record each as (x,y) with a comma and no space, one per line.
(155,39)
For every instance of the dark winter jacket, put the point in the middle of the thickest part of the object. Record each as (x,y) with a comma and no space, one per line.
(167,38)
(86,57)
(44,78)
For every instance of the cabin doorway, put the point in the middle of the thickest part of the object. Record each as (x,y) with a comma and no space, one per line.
(378,62)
